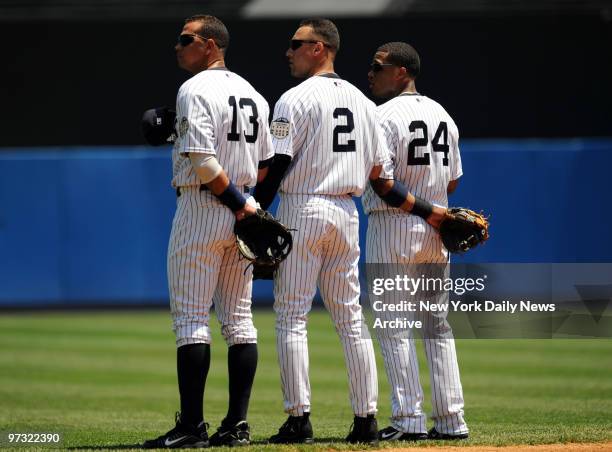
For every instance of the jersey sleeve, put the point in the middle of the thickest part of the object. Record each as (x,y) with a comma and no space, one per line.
(385,143)
(285,128)
(194,123)
(456,170)
(266,149)
(389,133)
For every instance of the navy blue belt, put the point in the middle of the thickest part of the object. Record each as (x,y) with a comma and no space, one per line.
(203,187)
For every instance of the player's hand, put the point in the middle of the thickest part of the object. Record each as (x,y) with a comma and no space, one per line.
(437,215)
(246,211)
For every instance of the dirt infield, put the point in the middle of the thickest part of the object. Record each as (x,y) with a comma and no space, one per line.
(570,447)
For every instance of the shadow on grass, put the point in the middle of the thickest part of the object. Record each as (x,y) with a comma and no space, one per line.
(334,440)
(109,447)
(318,441)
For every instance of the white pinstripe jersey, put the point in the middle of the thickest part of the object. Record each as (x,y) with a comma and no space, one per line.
(424,144)
(330,130)
(220,113)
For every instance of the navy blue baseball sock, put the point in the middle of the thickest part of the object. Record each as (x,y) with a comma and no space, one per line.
(192,364)
(241,366)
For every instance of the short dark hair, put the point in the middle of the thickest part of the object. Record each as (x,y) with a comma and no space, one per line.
(212,28)
(403,55)
(326,29)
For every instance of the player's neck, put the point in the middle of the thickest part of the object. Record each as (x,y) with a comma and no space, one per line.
(408,88)
(325,68)
(216,63)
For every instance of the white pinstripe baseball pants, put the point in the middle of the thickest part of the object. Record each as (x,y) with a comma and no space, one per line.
(405,239)
(204,268)
(325,254)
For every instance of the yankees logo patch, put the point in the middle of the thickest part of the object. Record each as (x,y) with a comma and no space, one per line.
(183,127)
(279,128)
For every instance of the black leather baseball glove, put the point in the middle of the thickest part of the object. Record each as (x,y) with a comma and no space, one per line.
(264,241)
(462,229)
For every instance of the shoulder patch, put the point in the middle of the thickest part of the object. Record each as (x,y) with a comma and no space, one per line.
(183,126)
(279,128)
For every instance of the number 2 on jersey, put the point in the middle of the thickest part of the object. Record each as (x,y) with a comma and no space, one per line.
(233,134)
(439,143)
(344,128)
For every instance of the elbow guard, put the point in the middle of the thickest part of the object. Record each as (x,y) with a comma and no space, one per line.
(206,166)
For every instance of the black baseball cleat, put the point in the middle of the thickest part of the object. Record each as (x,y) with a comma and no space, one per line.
(392,434)
(296,429)
(434,434)
(182,436)
(364,430)
(230,435)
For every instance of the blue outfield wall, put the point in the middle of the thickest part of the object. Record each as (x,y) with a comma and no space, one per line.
(91,225)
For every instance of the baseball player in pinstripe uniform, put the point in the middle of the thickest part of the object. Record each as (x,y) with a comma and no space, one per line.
(327,144)
(423,142)
(223,147)
(326,129)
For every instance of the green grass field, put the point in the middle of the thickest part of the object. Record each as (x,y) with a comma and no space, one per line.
(108,379)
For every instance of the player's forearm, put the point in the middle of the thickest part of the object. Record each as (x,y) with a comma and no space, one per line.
(266,189)
(219,184)
(263,167)
(226,192)
(261,174)
(214,177)
(395,194)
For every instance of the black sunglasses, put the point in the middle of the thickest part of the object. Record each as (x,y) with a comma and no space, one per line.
(187,38)
(377,67)
(297,43)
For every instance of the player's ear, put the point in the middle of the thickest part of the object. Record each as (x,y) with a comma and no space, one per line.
(210,45)
(402,72)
